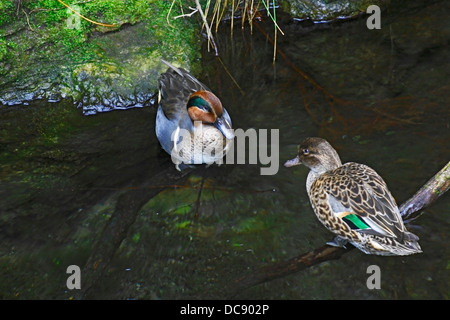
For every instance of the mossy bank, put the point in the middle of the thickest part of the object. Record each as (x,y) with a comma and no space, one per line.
(48,52)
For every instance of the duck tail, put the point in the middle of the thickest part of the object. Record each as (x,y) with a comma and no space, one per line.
(389,246)
(409,236)
(415,247)
(171,66)
(409,244)
(410,240)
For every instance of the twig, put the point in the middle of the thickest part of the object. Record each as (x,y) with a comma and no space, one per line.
(194,10)
(199,196)
(28,20)
(208,29)
(168,14)
(231,77)
(274,18)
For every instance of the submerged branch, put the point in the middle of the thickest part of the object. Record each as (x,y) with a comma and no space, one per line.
(409,210)
(116,230)
(314,107)
(285,268)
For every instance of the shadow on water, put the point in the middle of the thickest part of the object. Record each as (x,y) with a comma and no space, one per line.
(380,96)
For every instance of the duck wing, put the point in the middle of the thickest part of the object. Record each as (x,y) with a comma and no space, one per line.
(364,195)
(175,87)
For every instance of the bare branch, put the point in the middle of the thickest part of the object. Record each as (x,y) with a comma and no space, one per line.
(193,11)
(433,189)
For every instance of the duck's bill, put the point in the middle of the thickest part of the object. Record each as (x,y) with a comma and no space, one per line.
(292,162)
(224,127)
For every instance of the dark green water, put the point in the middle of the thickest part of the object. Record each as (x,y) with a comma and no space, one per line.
(379,96)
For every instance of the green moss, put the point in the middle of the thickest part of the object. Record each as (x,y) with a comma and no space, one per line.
(54,49)
(176,36)
(6,11)
(183,224)
(53,16)
(3,48)
(136,237)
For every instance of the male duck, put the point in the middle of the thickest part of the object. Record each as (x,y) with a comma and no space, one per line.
(352,201)
(191,123)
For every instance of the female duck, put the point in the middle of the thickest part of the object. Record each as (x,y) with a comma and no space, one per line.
(191,123)
(352,201)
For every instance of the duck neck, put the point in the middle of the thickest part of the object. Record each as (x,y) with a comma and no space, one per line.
(312,177)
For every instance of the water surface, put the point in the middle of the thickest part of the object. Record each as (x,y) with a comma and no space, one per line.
(379,96)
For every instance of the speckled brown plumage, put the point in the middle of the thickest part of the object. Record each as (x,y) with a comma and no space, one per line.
(353,201)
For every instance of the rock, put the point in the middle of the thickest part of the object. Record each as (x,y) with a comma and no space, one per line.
(326,10)
(99,68)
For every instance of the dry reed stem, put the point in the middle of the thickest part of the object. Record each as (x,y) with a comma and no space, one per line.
(89,20)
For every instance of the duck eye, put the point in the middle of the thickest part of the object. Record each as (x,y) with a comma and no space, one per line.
(305,151)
